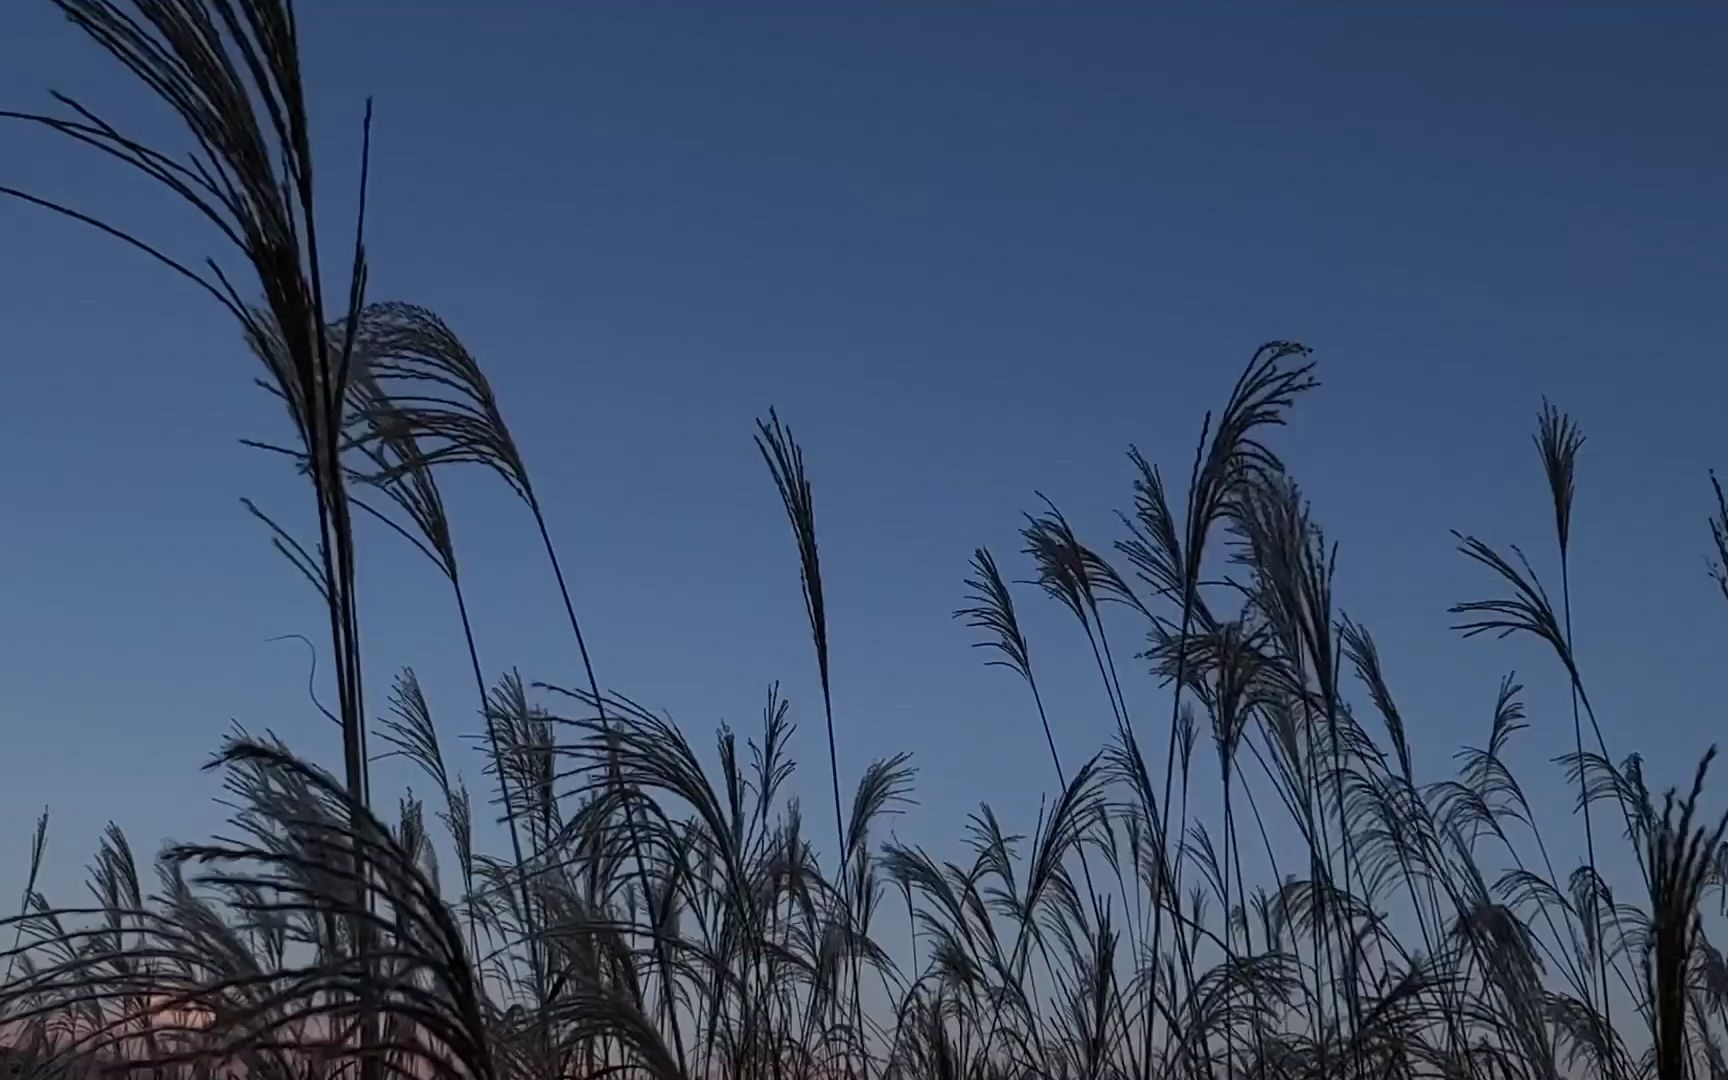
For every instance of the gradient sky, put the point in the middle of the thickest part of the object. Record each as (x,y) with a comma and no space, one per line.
(969,253)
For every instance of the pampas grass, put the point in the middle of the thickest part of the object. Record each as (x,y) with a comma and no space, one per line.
(662,911)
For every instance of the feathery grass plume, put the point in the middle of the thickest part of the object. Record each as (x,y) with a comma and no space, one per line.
(1235,662)
(296,825)
(1154,546)
(1068,570)
(433,396)
(1050,898)
(1223,460)
(1076,576)
(1260,399)
(1527,609)
(1718,564)
(785,461)
(1364,657)
(410,733)
(38,847)
(383,436)
(409,730)
(991,610)
(1558,440)
(263,981)
(230,72)
(1678,858)
(424,403)
(1292,573)
(428,404)
(431,388)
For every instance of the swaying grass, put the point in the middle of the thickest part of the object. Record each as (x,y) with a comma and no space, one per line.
(663,912)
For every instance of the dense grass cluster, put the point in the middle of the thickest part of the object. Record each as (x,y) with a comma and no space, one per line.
(663,910)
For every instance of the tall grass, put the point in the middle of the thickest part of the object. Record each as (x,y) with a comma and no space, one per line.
(1303,900)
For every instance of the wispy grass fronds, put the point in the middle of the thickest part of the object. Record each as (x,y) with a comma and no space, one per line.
(1678,857)
(1558,440)
(1312,909)
(433,390)
(1719,537)
(230,73)
(991,610)
(785,460)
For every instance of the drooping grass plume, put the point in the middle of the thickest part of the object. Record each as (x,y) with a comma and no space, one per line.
(230,73)
(229,70)
(1679,860)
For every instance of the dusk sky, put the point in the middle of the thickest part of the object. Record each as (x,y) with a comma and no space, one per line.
(969,253)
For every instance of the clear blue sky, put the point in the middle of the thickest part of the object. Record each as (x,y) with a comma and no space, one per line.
(968,253)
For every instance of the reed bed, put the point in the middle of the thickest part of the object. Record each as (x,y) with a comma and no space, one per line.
(1253,880)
